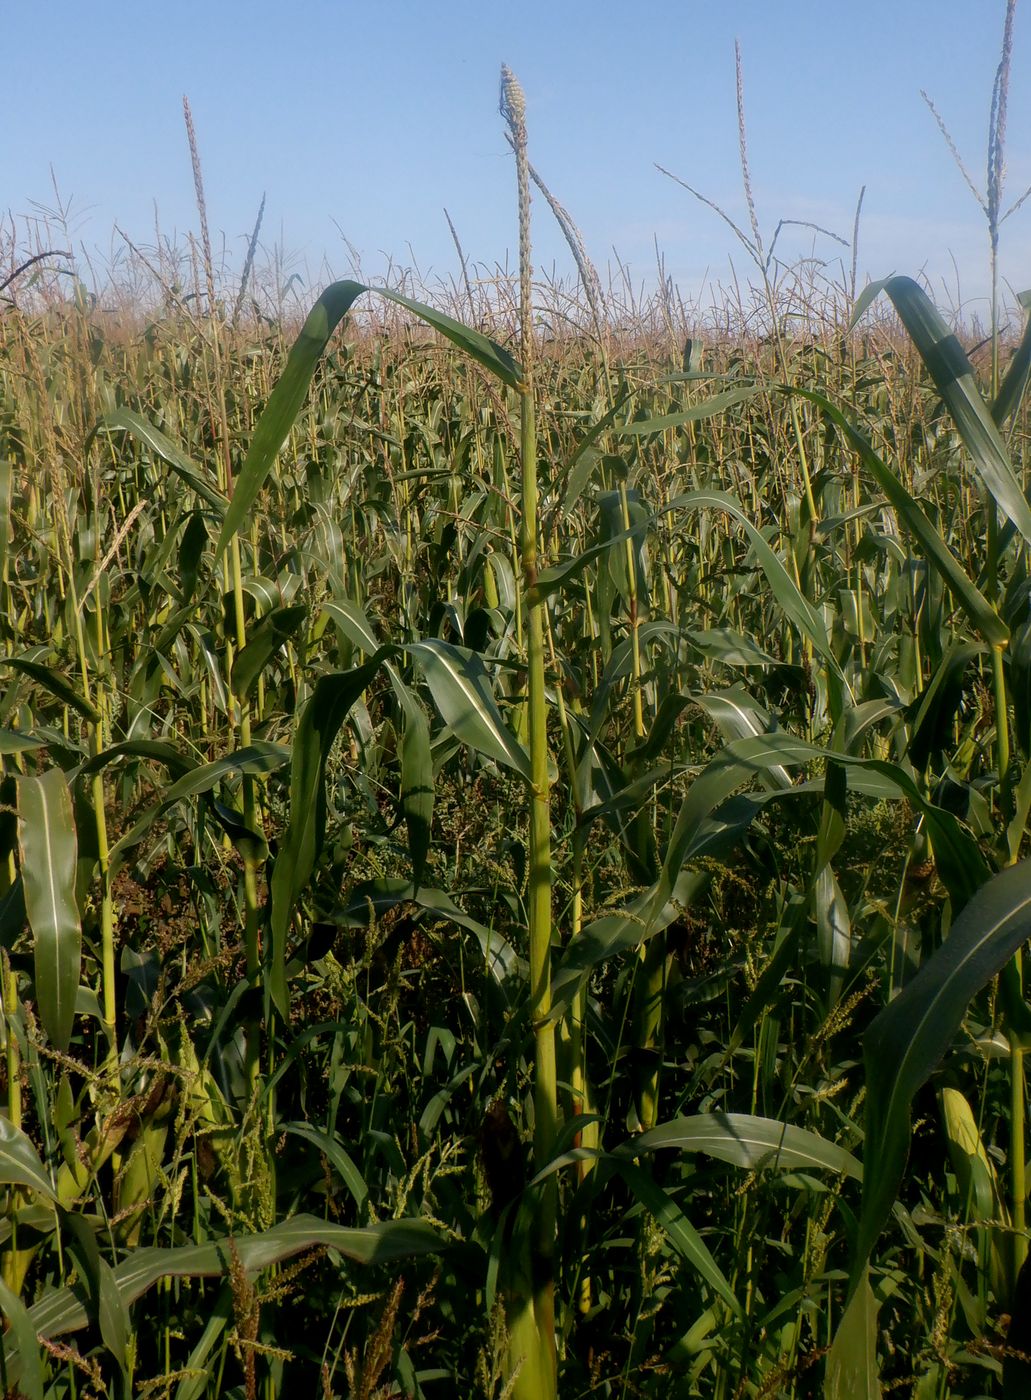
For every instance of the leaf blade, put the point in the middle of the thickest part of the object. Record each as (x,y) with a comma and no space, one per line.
(47,842)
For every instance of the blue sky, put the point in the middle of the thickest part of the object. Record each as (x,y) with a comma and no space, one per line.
(371,118)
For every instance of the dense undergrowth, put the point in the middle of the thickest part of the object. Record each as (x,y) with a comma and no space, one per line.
(273,1056)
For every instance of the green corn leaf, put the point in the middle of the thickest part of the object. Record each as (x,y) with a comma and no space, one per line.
(259,757)
(960,862)
(719,403)
(1014,383)
(936,706)
(478,347)
(158,749)
(19,1161)
(11,741)
(58,686)
(64,1311)
(334,1153)
(264,640)
(379,896)
(702,821)
(353,623)
(852,1369)
(906,1040)
(740,716)
(47,842)
(461,691)
(23,1334)
(731,648)
(416,779)
(606,937)
(550,580)
(301,843)
(973,602)
(679,1230)
(746,1141)
(195,1383)
(288,396)
(250,843)
(285,403)
(580,468)
(124,420)
(191,550)
(953,377)
(684,1237)
(104,1299)
(799,611)
(981,1200)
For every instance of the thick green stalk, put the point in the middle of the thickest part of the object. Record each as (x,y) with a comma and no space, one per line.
(573,1029)
(651,976)
(633,609)
(1002,729)
(15,1261)
(108,998)
(250,807)
(539,1377)
(1018,1129)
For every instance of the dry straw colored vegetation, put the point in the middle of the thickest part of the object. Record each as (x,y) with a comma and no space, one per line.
(513,835)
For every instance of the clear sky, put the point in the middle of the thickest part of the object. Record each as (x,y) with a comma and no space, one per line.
(368,119)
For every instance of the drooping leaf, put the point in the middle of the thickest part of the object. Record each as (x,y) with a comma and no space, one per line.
(288,396)
(250,843)
(258,757)
(953,377)
(461,691)
(477,346)
(356,627)
(19,1161)
(744,1140)
(906,1040)
(795,607)
(937,553)
(960,862)
(124,420)
(64,1311)
(337,1156)
(263,641)
(57,684)
(731,648)
(158,749)
(683,1235)
(709,408)
(375,897)
(703,823)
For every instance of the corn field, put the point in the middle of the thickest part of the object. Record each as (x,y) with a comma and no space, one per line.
(513,844)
